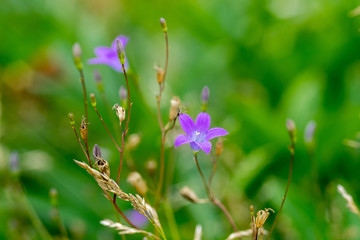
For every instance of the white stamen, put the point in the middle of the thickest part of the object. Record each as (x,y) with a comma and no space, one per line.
(197,133)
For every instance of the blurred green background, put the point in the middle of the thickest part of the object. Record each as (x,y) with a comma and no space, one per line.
(264,62)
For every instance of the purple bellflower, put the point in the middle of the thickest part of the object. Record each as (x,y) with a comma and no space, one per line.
(109,55)
(198,134)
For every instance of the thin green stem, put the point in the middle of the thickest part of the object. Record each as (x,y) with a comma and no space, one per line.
(101,119)
(82,79)
(212,197)
(163,134)
(82,147)
(292,150)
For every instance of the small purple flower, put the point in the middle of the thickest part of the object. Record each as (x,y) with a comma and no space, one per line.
(137,218)
(109,55)
(198,134)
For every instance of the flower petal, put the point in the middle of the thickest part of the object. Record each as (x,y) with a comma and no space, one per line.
(194,146)
(187,124)
(205,146)
(102,51)
(202,122)
(182,139)
(215,132)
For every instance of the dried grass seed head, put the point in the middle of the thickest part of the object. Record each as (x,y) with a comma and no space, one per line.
(349,200)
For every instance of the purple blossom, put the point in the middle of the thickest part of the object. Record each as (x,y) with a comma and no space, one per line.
(137,218)
(198,134)
(109,55)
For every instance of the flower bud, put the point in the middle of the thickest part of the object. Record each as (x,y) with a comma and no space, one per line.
(93,99)
(77,56)
(98,81)
(120,112)
(151,167)
(204,98)
(291,128)
(159,74)
(96,151)
(262,216)
(163,24)
(83,129)
(309,132)
(53,193)
(174,108)
(71,118)
(136,180)
(120,51)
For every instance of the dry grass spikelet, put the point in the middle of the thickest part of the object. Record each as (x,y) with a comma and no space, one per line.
(123,229)
(243,233)
(348,198)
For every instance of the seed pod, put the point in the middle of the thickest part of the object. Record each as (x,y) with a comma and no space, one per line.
(219,147)
(262,216)
(136,180)
(189,194)
(120,112)
(151,167)
(291,127)
(174,108)
(159,74)
(83,129)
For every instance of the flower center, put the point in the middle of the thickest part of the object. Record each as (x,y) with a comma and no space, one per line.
(197,133)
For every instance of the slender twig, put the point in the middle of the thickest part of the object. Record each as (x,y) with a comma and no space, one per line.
(123,133)
(82,147)
(162,148)
(118,148)
(82,79)
(121,155)
(212,197)
(292,150)
(214,167)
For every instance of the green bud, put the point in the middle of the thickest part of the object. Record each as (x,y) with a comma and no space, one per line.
(71,118)
(291,127)
(163,24)
(120,51)
(53,197)
(93,99)
(77,56)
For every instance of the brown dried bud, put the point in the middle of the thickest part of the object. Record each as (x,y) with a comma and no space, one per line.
(189,195)
(262,216)
(120,112)
(219,147)
(136,180)
(103,166)
(251,209)
(83,129)
(159,74)
(151,166)
(174,108)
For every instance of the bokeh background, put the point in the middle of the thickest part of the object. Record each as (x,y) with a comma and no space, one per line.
(264,62)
